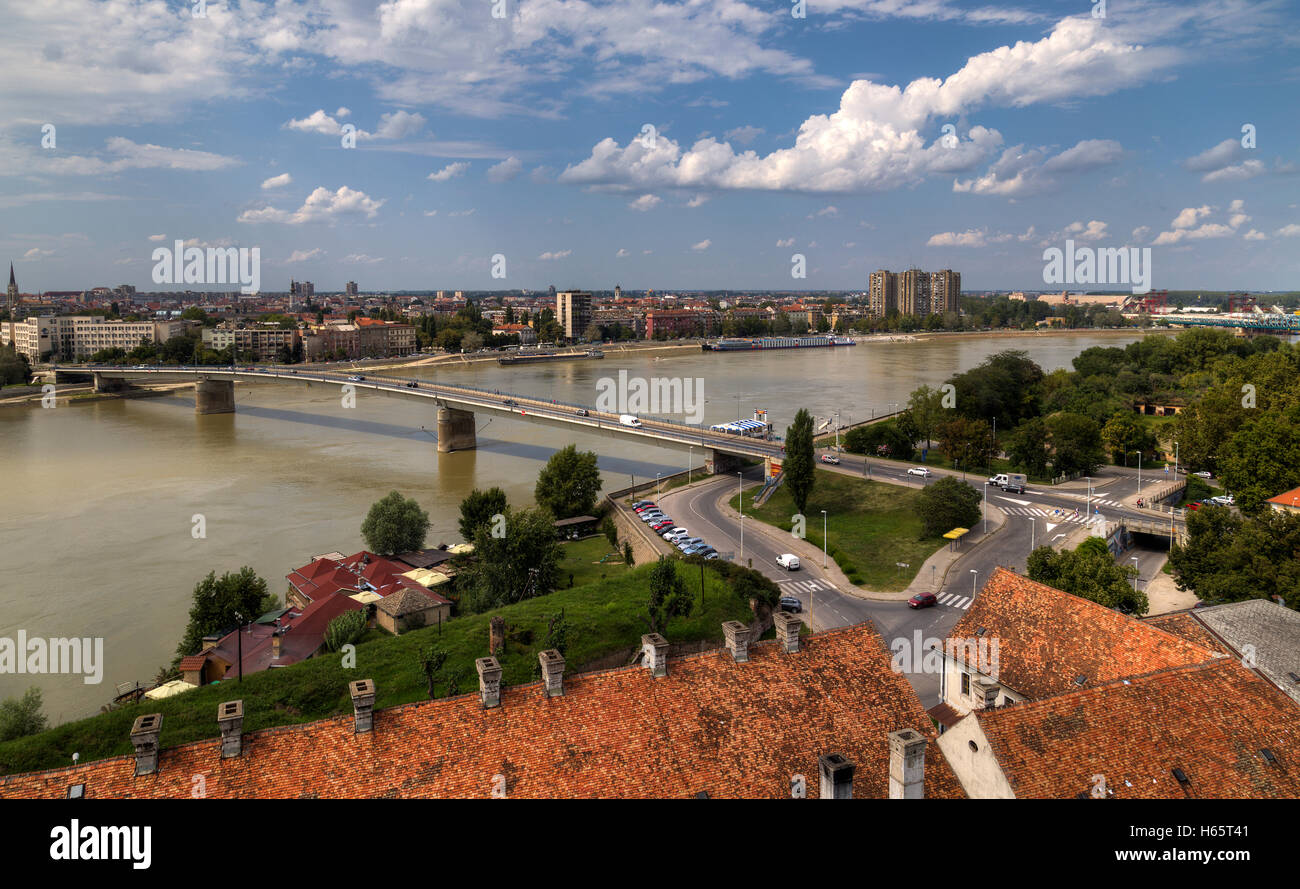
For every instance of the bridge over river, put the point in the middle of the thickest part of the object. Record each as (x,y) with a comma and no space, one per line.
(456,407)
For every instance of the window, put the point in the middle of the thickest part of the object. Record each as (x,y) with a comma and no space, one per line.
(965,683)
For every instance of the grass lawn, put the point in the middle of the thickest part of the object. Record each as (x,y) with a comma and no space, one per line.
(580,558)
(603,618)
(871,526)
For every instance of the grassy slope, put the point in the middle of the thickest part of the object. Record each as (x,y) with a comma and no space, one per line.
(602,617)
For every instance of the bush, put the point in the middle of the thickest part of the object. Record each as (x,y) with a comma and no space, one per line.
(20,717)
(948,504)
(345,629)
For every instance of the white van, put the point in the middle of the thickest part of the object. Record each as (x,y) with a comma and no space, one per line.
(628,420)
(788,561)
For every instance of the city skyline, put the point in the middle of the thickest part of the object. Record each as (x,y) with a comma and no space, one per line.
(586,148)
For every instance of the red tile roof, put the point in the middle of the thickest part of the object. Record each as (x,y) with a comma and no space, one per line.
(1287,498)
(302,634)
(1047,638)
(731,730)
(1183,625)
(193,662)
(1209,720)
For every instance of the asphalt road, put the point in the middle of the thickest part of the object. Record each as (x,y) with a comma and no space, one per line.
(1036,517)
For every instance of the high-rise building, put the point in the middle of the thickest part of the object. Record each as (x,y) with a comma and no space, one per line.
(882,298)
(573,312)
(351,288)
(945,291)
(914,292)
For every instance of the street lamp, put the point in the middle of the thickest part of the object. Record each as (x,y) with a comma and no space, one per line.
(690,455)
(742,538)
(1134,560)
(658,488)
(1139,453)
(823,539)
(985,512)
(1087,510)
(974,576)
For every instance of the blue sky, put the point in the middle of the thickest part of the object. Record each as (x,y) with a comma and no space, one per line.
(671,145)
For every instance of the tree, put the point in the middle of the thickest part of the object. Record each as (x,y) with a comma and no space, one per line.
(1005,387)
(1229,557)
(1076,443)
(14,366)
(471,342)
(797,465)
(20,717)
(216,603)
(966,442)
(1029,447)
(345,629)
(879,440)
(522,564)
(947,504)
(568,483)
(926,407)
(611,531)
(1089,572)
(668,595)
(432,658)
(1123,434)
(758,591)
(478,508)
(627,553)
(395,525)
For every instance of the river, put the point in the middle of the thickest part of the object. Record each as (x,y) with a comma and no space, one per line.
(99,500)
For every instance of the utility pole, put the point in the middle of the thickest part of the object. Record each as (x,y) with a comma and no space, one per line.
(823,539)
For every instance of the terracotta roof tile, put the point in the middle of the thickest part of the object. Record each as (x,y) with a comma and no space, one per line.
(1210,720)
(732,730)
(1047,638)
(1183,625)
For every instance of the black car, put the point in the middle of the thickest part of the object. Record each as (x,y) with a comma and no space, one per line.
(509,401)
(412,385)
(790,603)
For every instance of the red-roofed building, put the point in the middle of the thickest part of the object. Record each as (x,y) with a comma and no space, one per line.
(362,572)
(1288,502)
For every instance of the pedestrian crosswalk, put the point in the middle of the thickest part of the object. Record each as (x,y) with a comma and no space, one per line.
(806,586)
(952,600)
(1051,515)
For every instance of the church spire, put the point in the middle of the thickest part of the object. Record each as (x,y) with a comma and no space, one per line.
(12,282)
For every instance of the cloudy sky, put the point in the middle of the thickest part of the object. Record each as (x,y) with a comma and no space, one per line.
(652,143)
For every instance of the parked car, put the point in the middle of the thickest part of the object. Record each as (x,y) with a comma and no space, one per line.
(676,535)
(688,541)
(710,555)
(654,518)
(642,504)
(788,561)
(790,603)
(923,600)
(1195,505)
(1223,500)
(1202,474)
(919,470)
(831,459)
(661,525)
(583,412)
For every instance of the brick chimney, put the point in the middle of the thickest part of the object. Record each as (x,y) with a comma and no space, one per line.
(987,692)
(906,764)
(552,672)
(737,640)
(145,732)
(230,717)
(363,704)
(489,681)
(655,647)
(836,774)
(787,630)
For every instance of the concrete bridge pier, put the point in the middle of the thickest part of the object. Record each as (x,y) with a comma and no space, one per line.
(107,384)
(456,430)
(214,397)
(718,462)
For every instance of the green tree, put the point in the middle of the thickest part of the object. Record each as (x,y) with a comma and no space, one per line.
(1263,458)
(1123,434)
(395,524)
(879,440)
(668,595)
(797,464)
(926,408)
(345,629)
(1230,557)
(965,441)
(522,564)
(20,717)
(569,483)
(947,504)
(611,531)
(478,508)
(14,367)
(1089,572)
(1029,447)
(1076,443)
(216,601)
(431,658)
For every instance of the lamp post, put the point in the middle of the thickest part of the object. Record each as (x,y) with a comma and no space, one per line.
(1033,530)
(742,538)
(1087,510)
(974,577)
(1139,453)
(1134,560)
(823,539)
(985,512)
(934,577)
(690,455)
(658,487)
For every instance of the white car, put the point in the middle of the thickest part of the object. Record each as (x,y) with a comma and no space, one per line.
(1202,474)
(676,534)
(788,561)
(1223,500)
(919,470)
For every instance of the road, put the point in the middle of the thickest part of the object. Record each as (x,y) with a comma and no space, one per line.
(1035,517)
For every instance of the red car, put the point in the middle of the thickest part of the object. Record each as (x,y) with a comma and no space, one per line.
(923,600)
(662,526)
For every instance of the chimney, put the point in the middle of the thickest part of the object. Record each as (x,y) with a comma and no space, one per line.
(988,692)
(737,640)
(836,774)
(144,737)
(230,717)
(906,765)
(552,672)
(655,647)
(209,642)
(489,681)
(787,630)
(275,645)
(363,704)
